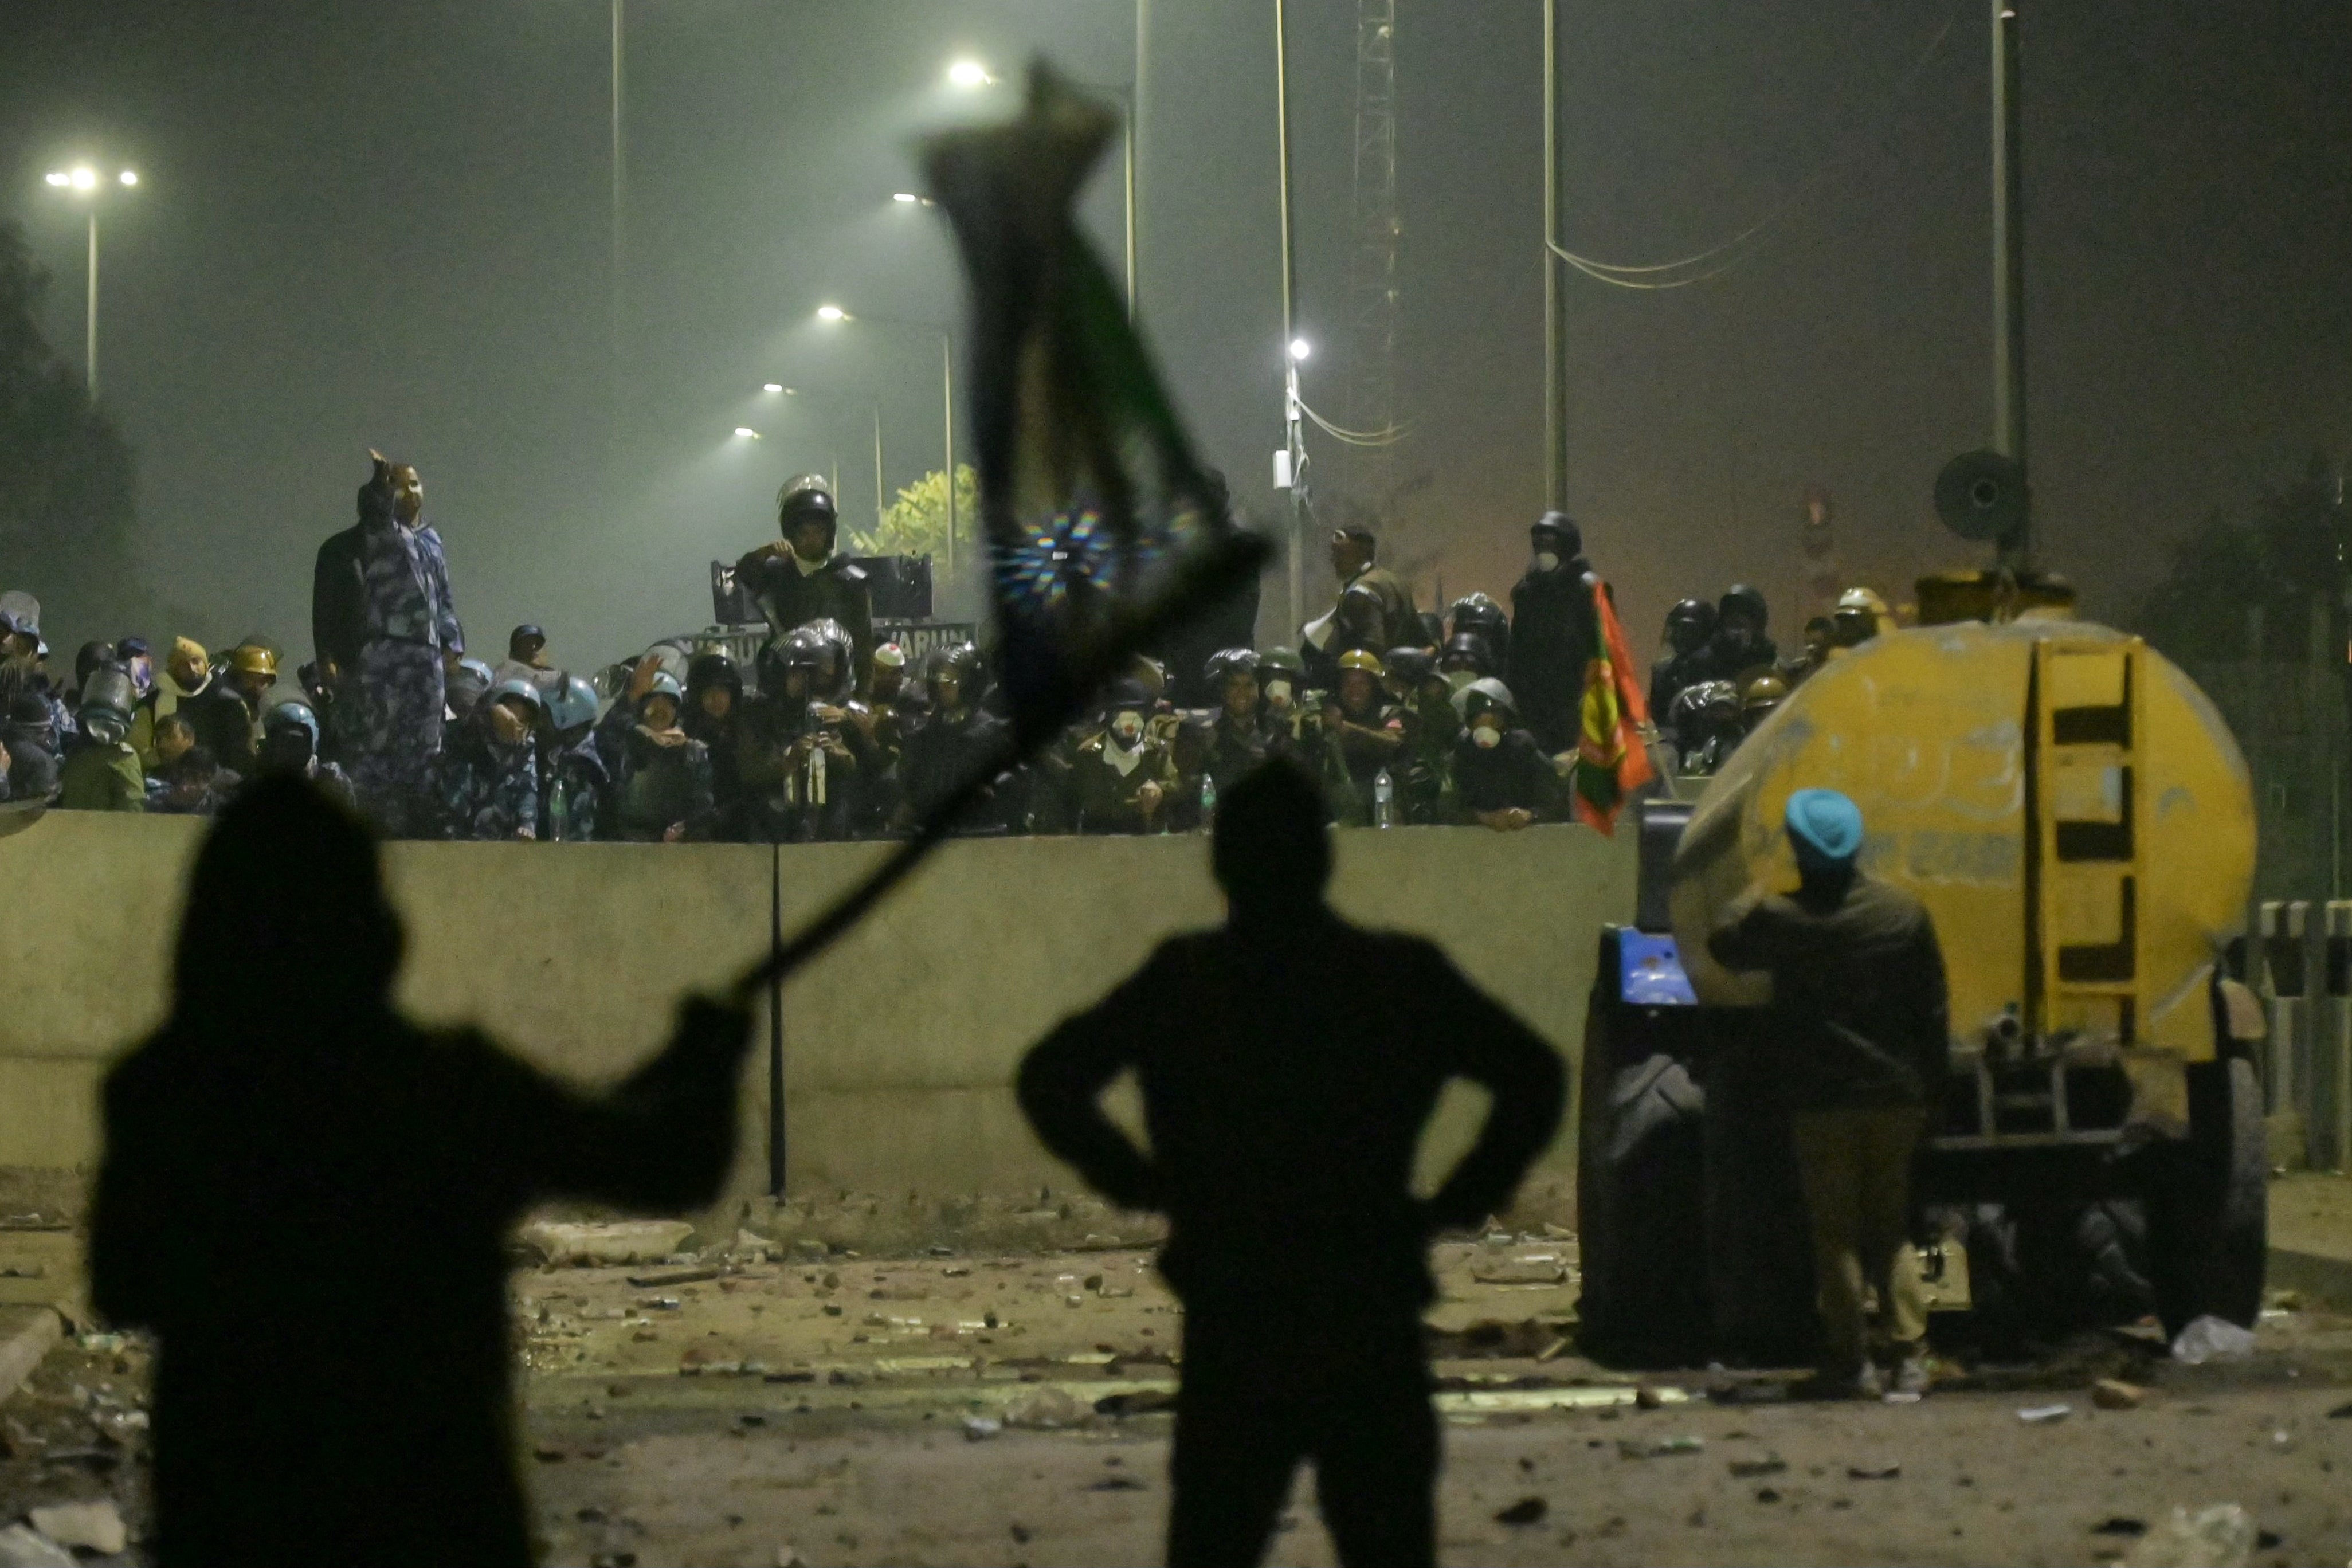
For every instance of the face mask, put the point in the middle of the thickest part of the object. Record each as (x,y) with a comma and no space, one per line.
(1278,693)
(1485,736)
(1127,728)
(290,752)
(1546,560)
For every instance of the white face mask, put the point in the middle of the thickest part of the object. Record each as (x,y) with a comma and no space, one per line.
(1278,693)
(1486,736)
(1127,729)
(1546,560)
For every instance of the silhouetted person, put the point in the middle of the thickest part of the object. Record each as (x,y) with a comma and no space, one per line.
(306,1197)
(1283,1111)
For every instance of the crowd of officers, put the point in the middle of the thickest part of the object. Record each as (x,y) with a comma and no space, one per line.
(1721,675)
(1405,717)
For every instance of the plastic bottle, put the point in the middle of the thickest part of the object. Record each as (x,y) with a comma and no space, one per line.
(1208,801)
(558,808)
(1384,800)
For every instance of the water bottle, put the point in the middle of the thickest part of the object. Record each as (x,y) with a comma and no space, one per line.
(1208,801)
(558,808)
(1384,800)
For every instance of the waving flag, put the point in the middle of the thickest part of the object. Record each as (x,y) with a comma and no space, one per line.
(1102,526)
(1610,760)
(1102,530)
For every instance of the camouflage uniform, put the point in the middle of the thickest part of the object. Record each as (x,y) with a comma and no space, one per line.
(489,791)
(587,782)
(1104,800)
(394,722)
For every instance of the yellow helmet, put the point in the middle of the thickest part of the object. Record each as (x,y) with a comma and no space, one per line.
(247,658)
(1363,658)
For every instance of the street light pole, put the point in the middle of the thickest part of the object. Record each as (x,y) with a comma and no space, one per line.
(2009,270)
(1555,300)
(834,314)
(1135,156)
(613,304)
(84,181)
(1294,437)
(90,344)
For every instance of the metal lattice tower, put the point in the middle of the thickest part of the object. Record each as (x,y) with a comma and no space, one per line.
(1373,294)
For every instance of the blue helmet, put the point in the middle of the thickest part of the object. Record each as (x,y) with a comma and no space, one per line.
(518,686)
(293,715)
(572,704)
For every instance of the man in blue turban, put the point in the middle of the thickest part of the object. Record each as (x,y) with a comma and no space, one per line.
(1863,1038)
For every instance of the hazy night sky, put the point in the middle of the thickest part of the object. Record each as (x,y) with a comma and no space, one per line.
(388,225)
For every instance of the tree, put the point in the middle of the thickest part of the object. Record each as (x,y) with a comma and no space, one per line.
(66,479)
(2295,544)
(916,522)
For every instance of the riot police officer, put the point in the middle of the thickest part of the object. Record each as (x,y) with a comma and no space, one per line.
(1362,738)
(1121,778)
(957,738)
(1502,779)
(801,577)
(1479,612)
(575,804)
(1740,650)
(1239,735)
(1423,705)
(1555,631)
(663,789)
(489,774)
(1690,627)
(292,736)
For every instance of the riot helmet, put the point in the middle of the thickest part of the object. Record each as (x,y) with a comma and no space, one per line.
(713,672)
(1126,713)
(1409,668)
(664,688)
(807,499)
(961,670)
(1281,677)
(1762,695)
(1555,535)
(468,685)
(290,733)
(1859,616)
(571,706)
(1487,698)
(1467,651)
(1744,603)
(107,702)
(514,708)
(1360,677)
(1689,625)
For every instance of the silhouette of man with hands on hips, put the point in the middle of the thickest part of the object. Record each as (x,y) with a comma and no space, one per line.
(1289,1062)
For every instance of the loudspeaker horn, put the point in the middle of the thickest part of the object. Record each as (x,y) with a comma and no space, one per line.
(1981,496)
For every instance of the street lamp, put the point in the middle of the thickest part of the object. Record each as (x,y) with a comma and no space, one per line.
(1299,349)
(744,432)
(968,74)
(834,314)
(83,181)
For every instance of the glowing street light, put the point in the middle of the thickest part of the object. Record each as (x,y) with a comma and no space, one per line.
(771,386)
(969,74)
(746,432)
(83,181)
(834,314)
(1299,349)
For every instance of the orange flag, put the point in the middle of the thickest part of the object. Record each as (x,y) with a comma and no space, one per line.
(1610,761)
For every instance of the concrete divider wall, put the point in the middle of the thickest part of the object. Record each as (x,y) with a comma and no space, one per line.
(900,1045)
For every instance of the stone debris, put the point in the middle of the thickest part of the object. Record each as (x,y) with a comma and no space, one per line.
(22,1546)
(1657,1447)
(96,1525)
(2212,1338)
(626,1241)
(664,1277)
(2220,1536)
(2043,1414)
(1527,1510)
(1874,1470)
(1049,1410)
(1527,1269)
(1748,1470)
(980,1428)
(2114,1394)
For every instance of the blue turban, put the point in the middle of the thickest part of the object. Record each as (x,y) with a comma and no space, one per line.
(1824,826)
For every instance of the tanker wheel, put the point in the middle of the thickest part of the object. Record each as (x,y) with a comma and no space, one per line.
(2209,1206)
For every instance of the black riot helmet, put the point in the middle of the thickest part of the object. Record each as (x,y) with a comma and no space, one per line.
(971,671)
(1557,532)
(1468,650)
(1689,625)
(1409,668)
(807,497)
(1479,612)
(1745,601)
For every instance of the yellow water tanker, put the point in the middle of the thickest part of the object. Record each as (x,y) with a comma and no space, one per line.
(2069,807)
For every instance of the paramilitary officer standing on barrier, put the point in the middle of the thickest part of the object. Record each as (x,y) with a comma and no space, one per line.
(802,578)
(1860,1015)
